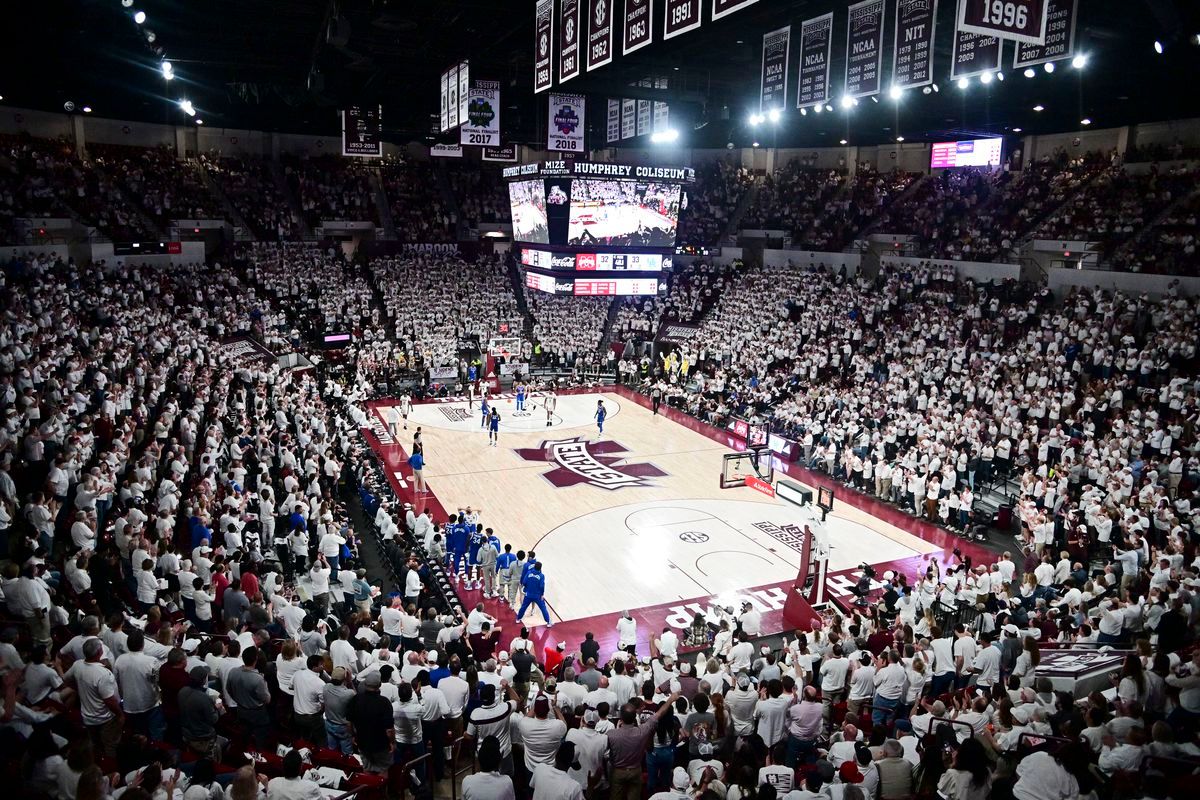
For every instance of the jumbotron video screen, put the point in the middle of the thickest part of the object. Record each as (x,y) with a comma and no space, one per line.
(527,201)
(618,213)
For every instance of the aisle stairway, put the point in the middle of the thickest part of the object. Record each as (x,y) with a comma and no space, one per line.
(243,231)
(299,224)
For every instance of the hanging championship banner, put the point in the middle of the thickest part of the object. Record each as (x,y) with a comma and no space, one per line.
(445,151)
(568,40)
(637,32)
(360,132)
(566,123)
(464,89)
(628,119)
(1019,20)
(452,99)
(773,86)
(643,117)
(974,55)
(505,152)
(599,33)
(816,40)
(681,16)
(482,125)
(864,48)
(1060,36)
(543,35)
(722,7)
(444,119)
(912,56)
(662,111)
(612,128)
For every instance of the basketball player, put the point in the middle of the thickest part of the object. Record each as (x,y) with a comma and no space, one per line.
(456,545)
(405,408)
(470,396)
(393,420)
(494,427)
(601,413)
(535,593)
(483,412)
(550,402)
(520,397)
(474,542)
(505,567)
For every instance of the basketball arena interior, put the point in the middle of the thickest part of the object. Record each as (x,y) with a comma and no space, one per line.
(564,399)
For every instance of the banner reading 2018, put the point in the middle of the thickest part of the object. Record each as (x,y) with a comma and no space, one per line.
(566,123)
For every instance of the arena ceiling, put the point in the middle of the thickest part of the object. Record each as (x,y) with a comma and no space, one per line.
(289,64)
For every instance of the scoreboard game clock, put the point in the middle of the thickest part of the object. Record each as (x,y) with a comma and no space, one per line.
(1019,20)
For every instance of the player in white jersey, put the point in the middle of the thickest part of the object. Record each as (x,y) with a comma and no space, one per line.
(550,402)
(470,396)
(405,408)
(393,420)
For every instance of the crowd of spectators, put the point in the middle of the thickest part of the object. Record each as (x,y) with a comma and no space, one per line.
(481,193)
(250,187)
(330,187)
(943,212)
(711,201)
(1168,246)
(418,210)
(790,198)
(853,209)
(168,188)
(567,329)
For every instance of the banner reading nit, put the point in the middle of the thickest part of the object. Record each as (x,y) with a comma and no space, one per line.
(912,56)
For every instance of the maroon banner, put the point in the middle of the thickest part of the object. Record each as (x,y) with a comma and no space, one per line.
(1020,20)
(543,38)
(599,33)
(912,56)
(864,48)
(722,7)
(816,42)
(974,54)
(569,35)
(682,16)
(638,29)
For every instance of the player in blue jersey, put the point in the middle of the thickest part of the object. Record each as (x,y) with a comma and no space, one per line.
(601,414)
(520,397)
(534,585)
(475,539)
(494,427)
(456,544)
(505,567)
(484,408)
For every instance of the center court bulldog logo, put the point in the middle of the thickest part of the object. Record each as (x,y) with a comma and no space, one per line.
(577,460)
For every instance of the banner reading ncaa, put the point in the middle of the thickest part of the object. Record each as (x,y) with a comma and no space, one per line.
(566,123)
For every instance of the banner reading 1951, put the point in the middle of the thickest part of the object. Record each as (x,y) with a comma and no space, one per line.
(864,48)
(816,42)
(543,37)
(681,17)
(912,56)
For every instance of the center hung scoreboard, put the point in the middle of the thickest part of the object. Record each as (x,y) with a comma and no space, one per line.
(595,229)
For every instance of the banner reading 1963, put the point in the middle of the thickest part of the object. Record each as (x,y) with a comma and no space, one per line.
(638,31)
(566,123)
(816,41)
(543,36)
(1060,36)
(568,40)
(681,17)
(773,90)
(912,57)
(599,33)
(864,48)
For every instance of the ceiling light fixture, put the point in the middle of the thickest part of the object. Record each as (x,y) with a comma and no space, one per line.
(899,138)
(1039,107)
(1158,47)
(1079,61)
(963,83)
(1085,121)
(843,141)
(139,17)
(1030,72)
(1049,67)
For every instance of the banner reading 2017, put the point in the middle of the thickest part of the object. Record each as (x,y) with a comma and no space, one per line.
(482,125)
(566,123)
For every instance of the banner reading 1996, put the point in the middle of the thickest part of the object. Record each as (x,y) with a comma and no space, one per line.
(566,123)
(1060,36)
(638,31)
(681,17)
(568,40)
(912,57)
(543,37)
(773,89)
(816,41)
(864,48)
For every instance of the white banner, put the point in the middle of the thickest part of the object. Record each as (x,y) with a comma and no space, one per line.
(443,373)
(613,127)
(628,118)
(566,123)
(464,88)
(452,98)
(445,151)
(643,117)
(482,124)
